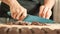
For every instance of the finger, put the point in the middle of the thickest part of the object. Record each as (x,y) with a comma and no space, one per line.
(19,15)
(13,12)
(15,15)
(44,12)
(23,16)
(47,17)
(41,10)
(48,14)
(25,13)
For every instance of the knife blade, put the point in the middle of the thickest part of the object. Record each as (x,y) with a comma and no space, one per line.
(31,18)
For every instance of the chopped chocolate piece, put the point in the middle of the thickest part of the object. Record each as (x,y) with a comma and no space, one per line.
(37,23)
(57,30)
(49,31)
(13,30)
(25,31)
(26,23)
(37,31)
(3,30)
(10,23)
(21,23)
(18,23)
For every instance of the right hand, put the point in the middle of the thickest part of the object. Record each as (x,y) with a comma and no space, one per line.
(45,12)
(17,11)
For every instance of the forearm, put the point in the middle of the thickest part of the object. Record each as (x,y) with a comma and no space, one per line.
(6,2)
(49,3)
(9,2)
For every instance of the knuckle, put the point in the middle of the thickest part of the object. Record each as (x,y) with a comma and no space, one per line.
(41,6)
(24,16)
(25,9)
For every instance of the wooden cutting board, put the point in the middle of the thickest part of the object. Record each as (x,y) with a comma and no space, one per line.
(51,26)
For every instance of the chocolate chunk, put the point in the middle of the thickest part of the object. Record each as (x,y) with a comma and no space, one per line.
(3,30)
(37,31)
(18,23)
(37,23)
(10,23)
(57,30)
(21,23)
(49,31)
(25,31)
(24,23)
(13,30)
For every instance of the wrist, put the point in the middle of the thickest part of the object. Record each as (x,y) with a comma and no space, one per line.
(12,2)
(48,6)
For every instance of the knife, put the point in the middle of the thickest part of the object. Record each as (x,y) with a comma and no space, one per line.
(32,18)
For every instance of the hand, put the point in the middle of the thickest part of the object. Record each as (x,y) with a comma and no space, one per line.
(45,12)
(17,11)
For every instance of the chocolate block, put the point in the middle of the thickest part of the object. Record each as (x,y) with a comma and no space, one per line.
(49,31)
(3,30)
(37,31)
(25,31)
(13,30)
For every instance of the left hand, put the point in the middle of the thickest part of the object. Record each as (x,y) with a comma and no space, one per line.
(45,12)
(17,11)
